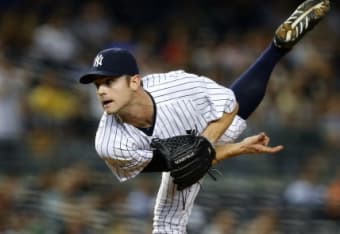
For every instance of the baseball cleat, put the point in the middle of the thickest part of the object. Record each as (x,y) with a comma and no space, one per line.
(304,18)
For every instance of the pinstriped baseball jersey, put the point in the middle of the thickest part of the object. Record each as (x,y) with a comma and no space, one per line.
(183,102)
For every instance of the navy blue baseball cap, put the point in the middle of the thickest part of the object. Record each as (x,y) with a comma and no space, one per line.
(113,62)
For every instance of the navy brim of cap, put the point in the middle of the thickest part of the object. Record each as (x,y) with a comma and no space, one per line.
(92,76)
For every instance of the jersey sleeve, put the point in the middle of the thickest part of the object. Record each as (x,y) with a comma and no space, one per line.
(234,131)
(126,156)
(130,167)
(213,99)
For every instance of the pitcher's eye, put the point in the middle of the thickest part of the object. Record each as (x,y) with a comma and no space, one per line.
(108,82)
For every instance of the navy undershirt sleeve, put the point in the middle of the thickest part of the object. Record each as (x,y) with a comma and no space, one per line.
(251,86)
(157,164)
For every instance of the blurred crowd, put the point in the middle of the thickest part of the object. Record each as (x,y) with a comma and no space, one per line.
(52,181)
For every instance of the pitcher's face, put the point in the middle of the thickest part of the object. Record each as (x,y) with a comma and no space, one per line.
(114,93)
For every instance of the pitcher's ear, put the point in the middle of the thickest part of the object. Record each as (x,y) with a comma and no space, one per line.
(135,81)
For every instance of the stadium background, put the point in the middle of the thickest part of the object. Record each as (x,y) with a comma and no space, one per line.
(52,181)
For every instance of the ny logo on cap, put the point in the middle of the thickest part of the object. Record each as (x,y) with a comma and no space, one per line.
(98,61)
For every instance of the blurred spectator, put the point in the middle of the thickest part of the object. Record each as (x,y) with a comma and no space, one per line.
(64,203)
(197,220)
(16,37)
(266,222)
(224,222)
(331,120)
(11,195)
(140,200)
(233,56)
(53,41)
(50,102)
(333,198)
(51,107)
(92,26)
(176,49)
(13,87)
(306,191)
(122,36)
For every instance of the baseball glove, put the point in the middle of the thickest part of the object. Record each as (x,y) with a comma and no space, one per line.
(189,157)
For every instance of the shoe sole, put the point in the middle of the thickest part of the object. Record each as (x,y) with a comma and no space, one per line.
(317,10)
(289,29)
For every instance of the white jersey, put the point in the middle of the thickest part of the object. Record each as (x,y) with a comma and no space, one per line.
(183,102)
